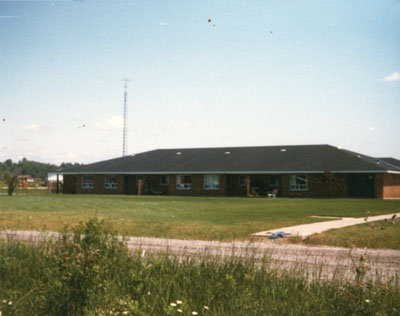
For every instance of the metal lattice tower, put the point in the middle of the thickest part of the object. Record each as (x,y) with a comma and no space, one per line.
(125,132)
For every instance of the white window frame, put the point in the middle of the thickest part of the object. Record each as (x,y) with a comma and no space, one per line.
(86,183)
(245,177)
(212,183)
(294,186)
(181,185)
(110,182)
(166,183)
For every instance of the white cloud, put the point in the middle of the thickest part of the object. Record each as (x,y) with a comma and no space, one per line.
(393,77)
(32,127)
(114,123)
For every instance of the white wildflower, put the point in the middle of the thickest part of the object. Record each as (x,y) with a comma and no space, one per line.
(178,310)
(178,302)
(206,307)
(148,293)
(125,313)
(173,304)
(9,303)
(194,313)
(367,301)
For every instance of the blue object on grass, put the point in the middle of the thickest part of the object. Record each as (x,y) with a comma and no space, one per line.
(278,234)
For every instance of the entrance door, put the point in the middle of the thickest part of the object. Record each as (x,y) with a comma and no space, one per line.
(361,185)
(229,185)
(73,184)
(129,184)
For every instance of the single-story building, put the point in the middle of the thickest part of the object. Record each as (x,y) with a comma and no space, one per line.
(24,180)
(286,171)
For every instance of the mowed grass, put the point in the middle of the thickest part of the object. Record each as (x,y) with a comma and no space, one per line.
(382,234)
(222,218)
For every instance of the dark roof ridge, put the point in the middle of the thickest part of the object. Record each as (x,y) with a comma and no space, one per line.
(109,160)
(377,162)
(391,161)
(233,147)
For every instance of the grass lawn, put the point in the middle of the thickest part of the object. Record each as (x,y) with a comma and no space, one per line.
(222,218)
(382,234)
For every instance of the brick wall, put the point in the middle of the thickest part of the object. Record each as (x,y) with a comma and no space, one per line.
(197,188)
(98,185)
(235,188)
(151,182)
(391,185)
(67,184)
(378,181)
(319,186)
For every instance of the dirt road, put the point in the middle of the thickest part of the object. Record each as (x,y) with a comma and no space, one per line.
(321,261)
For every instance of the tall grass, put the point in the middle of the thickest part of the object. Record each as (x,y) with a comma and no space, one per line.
(92,273)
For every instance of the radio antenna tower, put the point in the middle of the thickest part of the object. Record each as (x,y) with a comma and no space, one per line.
(125,133)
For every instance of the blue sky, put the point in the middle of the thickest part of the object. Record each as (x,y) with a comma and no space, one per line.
(260,73)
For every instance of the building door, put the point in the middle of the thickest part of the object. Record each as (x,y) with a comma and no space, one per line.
(229,185)
(361,185)
(129,184)
(73,184)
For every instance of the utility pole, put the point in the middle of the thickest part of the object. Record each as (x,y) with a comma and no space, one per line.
(125,132)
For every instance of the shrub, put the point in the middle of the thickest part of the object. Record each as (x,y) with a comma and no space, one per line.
(11,179)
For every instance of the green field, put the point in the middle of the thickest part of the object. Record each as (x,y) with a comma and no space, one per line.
(179,217)
(381,234)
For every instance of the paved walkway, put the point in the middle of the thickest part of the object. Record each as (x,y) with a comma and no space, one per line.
(315,228)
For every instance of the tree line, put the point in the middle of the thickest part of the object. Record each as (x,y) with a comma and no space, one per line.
(9,170)
(33,168)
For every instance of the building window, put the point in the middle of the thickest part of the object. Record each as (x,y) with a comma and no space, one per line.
(273,182)
(87,182)
(243,180)
(211,182)
(183,182)
(164,180)
(298,182)
(110,182)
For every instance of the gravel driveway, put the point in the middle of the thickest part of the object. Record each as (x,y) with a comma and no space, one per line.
(321,261)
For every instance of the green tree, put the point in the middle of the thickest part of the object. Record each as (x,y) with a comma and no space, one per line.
(11,179)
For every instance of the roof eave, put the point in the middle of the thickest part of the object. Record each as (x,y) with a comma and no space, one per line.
(227,172)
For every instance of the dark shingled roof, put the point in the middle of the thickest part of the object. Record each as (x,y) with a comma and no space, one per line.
(392,161)
(273,159)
